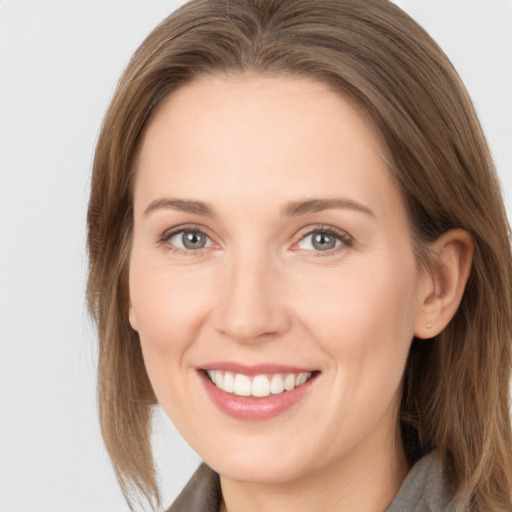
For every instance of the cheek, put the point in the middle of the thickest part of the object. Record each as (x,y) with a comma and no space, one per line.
(363,318)
(165,302)
(363,322)
(357,299)
(169,312)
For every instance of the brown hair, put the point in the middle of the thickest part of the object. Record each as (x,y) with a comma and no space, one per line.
(456,387)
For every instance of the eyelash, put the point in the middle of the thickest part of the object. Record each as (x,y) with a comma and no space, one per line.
(346,240)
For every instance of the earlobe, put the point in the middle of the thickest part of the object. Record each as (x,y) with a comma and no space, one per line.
(444,285)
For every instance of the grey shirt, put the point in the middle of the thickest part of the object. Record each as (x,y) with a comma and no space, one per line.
(425,489)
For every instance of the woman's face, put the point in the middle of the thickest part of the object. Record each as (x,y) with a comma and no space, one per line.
(271,246)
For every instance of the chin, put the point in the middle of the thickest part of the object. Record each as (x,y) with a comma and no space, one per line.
(258,461)
(264,471)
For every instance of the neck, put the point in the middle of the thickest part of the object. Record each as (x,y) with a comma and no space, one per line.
(366,480)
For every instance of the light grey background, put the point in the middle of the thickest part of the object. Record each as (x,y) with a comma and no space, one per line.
(59,63)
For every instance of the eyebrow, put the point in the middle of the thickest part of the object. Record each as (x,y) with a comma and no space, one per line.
(292,209)
(296,208)
(196,207)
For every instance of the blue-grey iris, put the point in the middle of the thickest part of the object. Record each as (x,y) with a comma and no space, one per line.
(193,240)
(323,241)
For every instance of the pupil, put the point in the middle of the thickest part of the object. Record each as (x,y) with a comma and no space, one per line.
(193,240)
(323,241)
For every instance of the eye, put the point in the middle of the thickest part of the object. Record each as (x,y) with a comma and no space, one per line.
(188,239)
(324,240)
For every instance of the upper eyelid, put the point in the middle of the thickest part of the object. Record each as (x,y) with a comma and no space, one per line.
(341,233)
(185,227)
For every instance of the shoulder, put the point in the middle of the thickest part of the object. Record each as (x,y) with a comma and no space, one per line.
(201,494)
(426,488)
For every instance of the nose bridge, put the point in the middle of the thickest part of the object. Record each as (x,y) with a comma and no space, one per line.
(250,305)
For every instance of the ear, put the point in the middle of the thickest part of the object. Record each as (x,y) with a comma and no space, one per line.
(132,318)
(443,285)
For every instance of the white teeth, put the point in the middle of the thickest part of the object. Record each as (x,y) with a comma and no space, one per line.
(289,382)
(258,386)
(229,383)
(301,379)
(242,385)
(218,378)
(276,384)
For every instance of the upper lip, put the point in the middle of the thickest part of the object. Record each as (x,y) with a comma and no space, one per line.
(254,369)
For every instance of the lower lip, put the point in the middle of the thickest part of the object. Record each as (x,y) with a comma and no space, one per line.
(254,409)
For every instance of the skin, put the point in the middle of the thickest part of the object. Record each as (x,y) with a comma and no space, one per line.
(260,292)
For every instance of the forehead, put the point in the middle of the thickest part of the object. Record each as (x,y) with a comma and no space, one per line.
(259,135)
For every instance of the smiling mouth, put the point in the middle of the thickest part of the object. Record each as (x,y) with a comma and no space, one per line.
(258,386)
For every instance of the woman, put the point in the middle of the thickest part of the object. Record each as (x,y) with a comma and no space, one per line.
(298,249)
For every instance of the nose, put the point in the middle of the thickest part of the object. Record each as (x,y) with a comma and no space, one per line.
(251,307)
